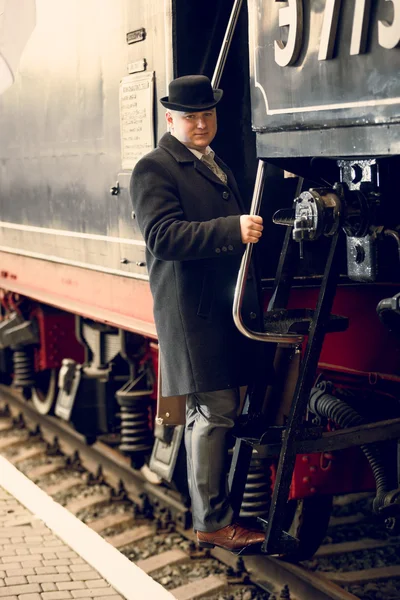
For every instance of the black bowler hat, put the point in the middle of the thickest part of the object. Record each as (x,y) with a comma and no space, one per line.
(191,93)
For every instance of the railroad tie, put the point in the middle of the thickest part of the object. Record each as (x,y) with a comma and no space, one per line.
(75,506)
(63,486)
(199,588)
(120,540)
(37,472)
(347,520)
(366,575)
(6,425)
(170,557)
(34,452)
(12,441)
(104,523)
(343,547)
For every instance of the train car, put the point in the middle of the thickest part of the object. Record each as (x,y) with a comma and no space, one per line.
(310,123)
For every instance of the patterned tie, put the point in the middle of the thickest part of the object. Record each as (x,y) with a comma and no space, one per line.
(208,159)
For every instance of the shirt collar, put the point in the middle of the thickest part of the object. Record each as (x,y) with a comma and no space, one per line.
(200,154)
(196,152)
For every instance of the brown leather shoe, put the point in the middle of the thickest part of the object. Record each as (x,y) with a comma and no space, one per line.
(235,538)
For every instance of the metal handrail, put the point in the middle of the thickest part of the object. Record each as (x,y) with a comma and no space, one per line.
(226,43)
(255,207)
(277,338)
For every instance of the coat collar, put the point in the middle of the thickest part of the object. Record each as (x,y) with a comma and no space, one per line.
(183,155)
(180,153)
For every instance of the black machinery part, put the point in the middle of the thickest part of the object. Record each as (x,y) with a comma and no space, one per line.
(257,492)
(321,211)
(388,311)
(44,391)
(324,404)
(307,519)
(134,400)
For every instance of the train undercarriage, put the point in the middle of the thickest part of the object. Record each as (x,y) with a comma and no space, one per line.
(323,417)
(313,101)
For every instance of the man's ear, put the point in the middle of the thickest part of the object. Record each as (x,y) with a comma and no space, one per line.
(168,117)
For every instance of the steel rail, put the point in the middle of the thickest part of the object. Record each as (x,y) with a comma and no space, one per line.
(264,571)
(115,467)
(303,584)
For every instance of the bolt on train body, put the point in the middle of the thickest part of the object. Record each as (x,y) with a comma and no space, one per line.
(310,124)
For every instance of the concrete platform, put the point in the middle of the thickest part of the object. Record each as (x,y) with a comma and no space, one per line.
(48,554)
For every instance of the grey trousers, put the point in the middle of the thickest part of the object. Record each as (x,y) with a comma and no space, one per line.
(209,418)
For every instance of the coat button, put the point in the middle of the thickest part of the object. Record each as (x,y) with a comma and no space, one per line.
(217,250)
(224,249)
(230,247)
(225,195)
(253,315)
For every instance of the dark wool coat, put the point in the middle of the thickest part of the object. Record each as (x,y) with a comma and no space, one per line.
(190,222)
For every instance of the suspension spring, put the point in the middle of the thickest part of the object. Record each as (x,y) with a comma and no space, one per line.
(257,492)
(24,372)
(136,434)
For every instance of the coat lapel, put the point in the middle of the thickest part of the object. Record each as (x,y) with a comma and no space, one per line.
(231,183)
(206,171)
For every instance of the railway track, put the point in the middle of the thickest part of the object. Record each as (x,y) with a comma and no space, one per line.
(149,523)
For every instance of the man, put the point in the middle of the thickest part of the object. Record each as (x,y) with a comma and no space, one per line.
(188,208)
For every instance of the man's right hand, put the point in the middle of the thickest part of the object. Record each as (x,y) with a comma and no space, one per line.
(251,228)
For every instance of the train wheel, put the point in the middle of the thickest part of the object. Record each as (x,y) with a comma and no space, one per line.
(307,519)
(44,393)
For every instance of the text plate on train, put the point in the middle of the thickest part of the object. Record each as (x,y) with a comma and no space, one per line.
(318,63)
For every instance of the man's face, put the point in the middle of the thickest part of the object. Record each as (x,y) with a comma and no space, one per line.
(195,130)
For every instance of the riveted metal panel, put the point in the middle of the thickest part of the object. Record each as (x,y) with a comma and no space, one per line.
(60,149)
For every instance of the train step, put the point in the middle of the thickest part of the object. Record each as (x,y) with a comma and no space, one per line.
(299,321)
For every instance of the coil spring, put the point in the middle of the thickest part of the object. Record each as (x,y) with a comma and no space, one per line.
(136,435)
(24,373)
(257,492)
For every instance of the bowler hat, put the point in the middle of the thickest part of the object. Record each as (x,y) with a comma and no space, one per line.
(191,93)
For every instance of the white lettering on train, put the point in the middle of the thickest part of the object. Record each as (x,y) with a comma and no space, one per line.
(291,17)
(329,27)
(389,33)
(360,26)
